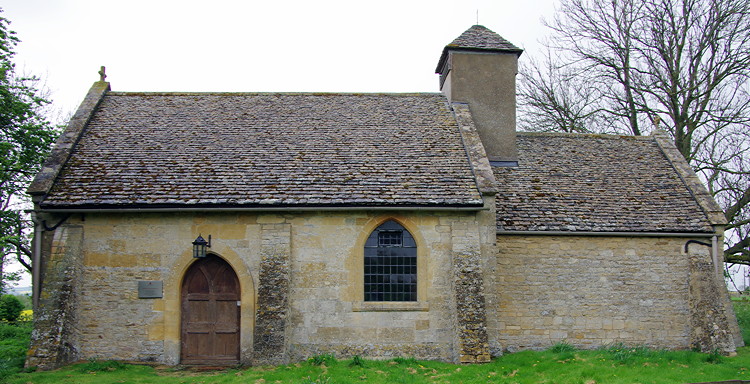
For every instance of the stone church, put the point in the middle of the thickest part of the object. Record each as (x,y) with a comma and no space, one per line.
(256,228)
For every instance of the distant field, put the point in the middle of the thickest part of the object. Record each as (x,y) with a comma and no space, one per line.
(19,290)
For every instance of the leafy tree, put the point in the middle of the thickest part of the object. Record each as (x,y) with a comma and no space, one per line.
(626,66)
(10,308)
(25,139)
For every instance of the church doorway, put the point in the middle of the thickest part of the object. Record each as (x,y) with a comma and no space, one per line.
(210,313)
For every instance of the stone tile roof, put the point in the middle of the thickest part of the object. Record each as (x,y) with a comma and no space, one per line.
(267,150)
(476,38)
(481,37)
(594,183)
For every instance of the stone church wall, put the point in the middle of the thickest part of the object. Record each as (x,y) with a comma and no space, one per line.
(327,311)
(308,266)
(122,249)
(301,278)
(591,291)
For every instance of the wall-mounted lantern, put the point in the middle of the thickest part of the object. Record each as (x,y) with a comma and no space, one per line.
(199,246)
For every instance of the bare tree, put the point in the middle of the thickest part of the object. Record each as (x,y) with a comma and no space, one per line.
(683,64)
(556,99)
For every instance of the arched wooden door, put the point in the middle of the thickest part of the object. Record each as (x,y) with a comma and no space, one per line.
(210,313)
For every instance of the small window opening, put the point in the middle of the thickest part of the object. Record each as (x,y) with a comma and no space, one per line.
(390,264)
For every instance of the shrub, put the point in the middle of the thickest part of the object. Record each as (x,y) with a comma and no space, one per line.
(10,308)
(26,315)
(14,342)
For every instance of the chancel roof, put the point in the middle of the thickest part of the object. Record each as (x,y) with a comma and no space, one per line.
(594,183)
(267,150)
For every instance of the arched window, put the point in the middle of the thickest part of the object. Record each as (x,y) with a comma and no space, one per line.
(390,264)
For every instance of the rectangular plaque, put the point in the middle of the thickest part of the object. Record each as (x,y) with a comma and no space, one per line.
(150,289)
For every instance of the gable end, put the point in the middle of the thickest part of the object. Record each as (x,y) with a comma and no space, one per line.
(43,181)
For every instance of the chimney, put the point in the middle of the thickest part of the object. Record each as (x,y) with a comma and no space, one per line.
(479,68)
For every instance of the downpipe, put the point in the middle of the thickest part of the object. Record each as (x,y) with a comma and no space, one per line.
(36,260)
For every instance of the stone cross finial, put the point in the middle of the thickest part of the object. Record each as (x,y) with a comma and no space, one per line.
(102,74)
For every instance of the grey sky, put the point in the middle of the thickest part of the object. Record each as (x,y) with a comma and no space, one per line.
(253,46)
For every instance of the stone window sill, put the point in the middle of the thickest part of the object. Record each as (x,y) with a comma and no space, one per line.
(389,306)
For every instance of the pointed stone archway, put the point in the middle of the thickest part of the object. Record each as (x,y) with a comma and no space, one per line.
(210,321)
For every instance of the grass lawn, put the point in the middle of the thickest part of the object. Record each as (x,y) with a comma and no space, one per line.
(616,365)
(742,309)
(560,364)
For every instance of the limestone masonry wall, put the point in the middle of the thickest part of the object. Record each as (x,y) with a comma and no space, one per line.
(301,282)
(301,279)
(120,250)
(328,314)
(590,291)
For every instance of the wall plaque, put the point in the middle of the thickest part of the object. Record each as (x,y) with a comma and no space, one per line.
(150,289)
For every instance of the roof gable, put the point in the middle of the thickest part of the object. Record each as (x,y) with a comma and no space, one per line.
(267,150)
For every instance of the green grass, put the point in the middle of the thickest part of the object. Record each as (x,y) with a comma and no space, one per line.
(609,365)
(562,363)
(742,310)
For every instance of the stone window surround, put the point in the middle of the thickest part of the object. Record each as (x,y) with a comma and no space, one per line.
(357,261)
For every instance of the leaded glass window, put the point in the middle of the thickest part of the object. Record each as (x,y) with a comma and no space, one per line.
(390,264)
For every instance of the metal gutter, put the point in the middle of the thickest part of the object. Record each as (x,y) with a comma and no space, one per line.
(613,234)
(258,209)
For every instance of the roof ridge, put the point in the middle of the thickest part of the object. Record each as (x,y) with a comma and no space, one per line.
(218,93)
(608,136)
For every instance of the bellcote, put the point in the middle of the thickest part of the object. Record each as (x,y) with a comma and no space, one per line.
(479,68)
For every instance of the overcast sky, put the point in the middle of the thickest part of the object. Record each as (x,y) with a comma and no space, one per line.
(254,46)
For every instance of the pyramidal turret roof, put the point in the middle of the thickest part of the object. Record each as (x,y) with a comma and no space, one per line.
(478,38)
(481,37)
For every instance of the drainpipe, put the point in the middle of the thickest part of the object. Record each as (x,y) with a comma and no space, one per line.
(36,262)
